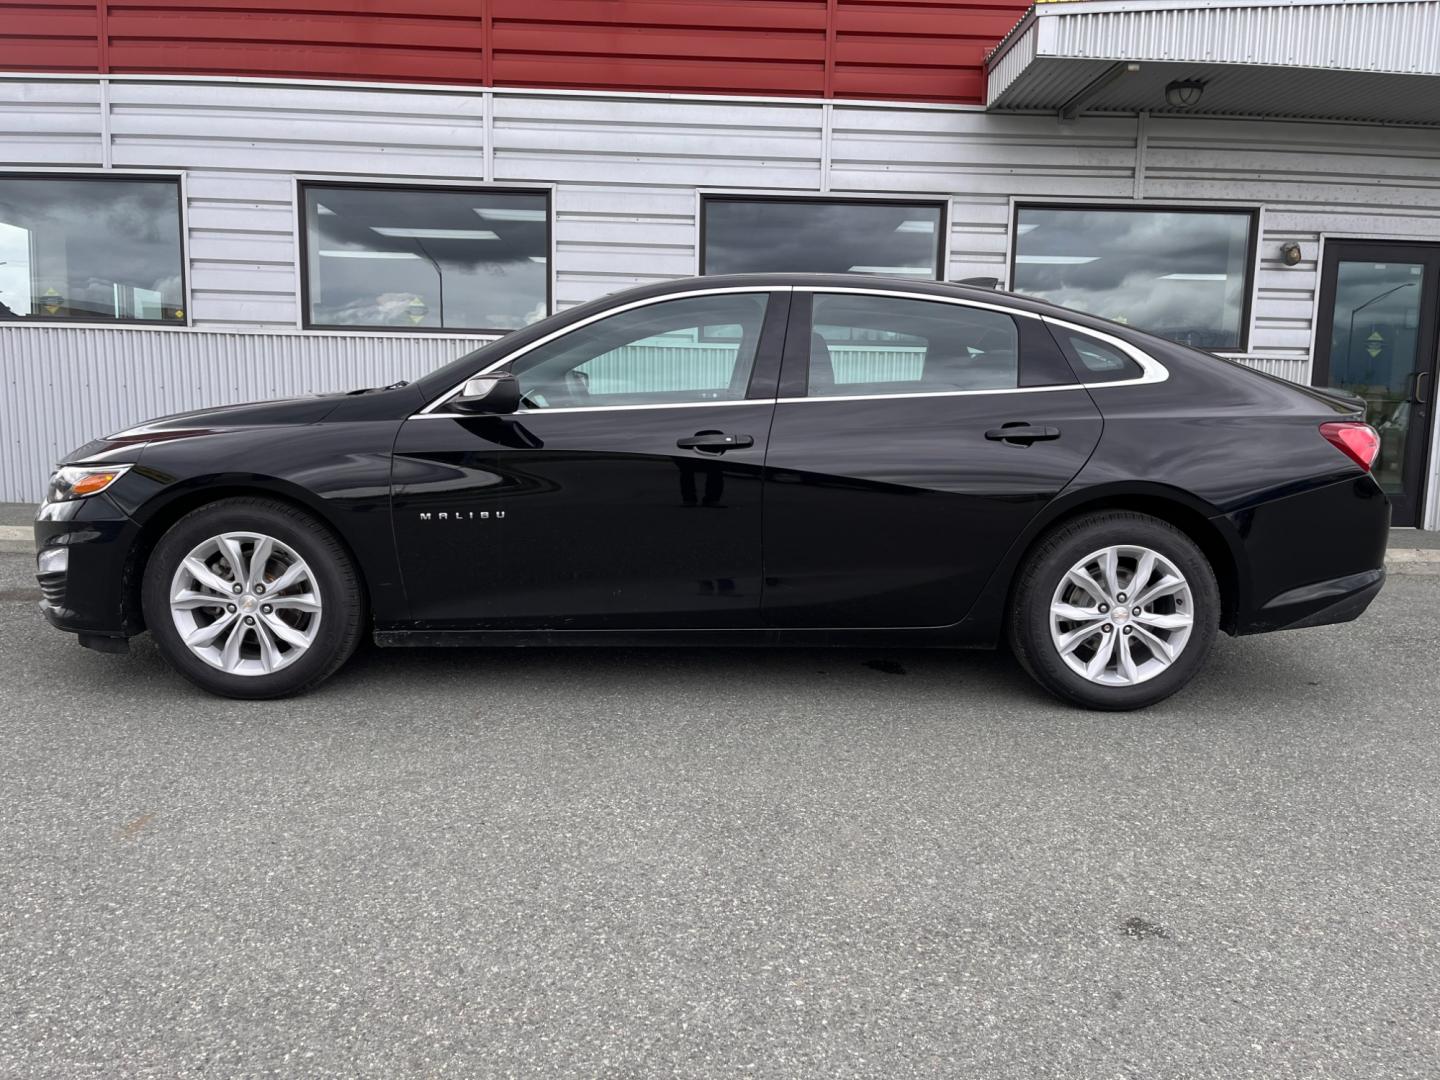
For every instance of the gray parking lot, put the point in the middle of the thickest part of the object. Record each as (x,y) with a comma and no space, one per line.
(734,863)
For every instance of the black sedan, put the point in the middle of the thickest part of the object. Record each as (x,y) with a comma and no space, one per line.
(764,460)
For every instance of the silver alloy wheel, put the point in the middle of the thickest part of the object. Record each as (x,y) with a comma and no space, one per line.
(245,603)
(1121,615)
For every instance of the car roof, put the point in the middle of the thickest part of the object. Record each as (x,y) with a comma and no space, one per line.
(887,282)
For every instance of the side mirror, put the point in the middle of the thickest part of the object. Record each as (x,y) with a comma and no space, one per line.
(497,392)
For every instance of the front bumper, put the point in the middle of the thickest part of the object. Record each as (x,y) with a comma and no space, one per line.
(91,596)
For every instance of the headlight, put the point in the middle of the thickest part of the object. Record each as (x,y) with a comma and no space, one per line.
(77,481)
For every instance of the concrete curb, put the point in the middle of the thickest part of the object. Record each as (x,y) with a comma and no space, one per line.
(18,539)
(1413,561)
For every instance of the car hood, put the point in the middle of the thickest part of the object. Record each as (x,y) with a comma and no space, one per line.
(298,410)
(286,411)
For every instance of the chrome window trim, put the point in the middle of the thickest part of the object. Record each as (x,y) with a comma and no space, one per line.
(633,408)
(990,391)
(1153,371)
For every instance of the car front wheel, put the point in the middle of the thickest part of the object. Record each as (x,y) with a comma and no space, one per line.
(1114,610)
(252,598)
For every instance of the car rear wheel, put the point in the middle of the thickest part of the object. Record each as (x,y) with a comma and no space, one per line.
(1114,610)
(252,598)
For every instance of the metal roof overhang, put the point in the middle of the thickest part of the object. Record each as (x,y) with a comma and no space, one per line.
(1373,61)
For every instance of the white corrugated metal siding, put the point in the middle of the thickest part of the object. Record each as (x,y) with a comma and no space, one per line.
(50,124)
(979,163)
(242,147)
(66,386)
(627,173)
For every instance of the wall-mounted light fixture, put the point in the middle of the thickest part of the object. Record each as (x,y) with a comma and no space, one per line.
(1290,253)
(1184,93)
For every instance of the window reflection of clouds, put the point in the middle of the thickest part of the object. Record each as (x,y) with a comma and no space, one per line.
(811,236)
(1374,339)
(82,248)
(460,259)
(1180,274)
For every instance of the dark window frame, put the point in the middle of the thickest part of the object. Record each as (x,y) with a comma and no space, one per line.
(109,176)
(942,231)
(303,239)
(1252,253)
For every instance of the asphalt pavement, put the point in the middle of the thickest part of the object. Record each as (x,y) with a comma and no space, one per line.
(541,863)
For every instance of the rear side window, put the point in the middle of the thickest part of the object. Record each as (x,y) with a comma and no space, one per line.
(1099,362)
(881,344)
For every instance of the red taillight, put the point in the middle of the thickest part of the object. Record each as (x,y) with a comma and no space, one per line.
(1359,442)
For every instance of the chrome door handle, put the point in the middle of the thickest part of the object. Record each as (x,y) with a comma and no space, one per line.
(1416,395)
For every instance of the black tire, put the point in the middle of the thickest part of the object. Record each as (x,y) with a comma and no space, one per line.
(335,577)
(1044,570)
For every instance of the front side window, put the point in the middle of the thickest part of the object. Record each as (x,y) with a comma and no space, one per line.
(748,235)
(90,249)
(889,345)
(1182,274)
(695,349)
(425,258)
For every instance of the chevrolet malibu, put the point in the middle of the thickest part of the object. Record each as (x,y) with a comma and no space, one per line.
(762,460)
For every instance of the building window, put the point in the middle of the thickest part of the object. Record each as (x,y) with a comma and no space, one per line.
(1183,274)
(90,249)
(471,259)
(749,235)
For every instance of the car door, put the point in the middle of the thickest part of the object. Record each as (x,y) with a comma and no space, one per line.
(913,440)
(625,493)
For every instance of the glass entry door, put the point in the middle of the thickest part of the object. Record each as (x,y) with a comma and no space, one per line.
(1377,339)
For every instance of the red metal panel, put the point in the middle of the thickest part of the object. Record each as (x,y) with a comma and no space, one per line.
(615,73)
(368,40)
(749,46)
(47,35)
(701,14)
(142,26)
(289,60)
(904,49)
(931,50)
